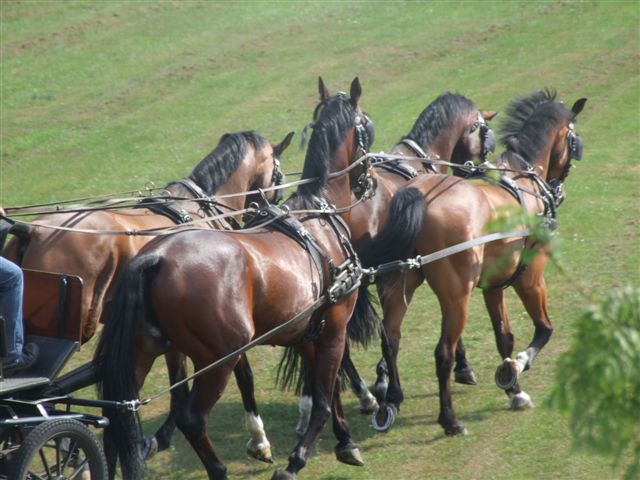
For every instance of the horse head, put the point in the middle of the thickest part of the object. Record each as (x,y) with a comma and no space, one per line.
(539,132)
(268,173)
(342,133)
(452,128)
(477,139)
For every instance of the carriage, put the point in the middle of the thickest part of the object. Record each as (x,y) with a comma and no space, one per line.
(46,436)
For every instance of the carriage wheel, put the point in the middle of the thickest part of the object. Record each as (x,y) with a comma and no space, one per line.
(60,449)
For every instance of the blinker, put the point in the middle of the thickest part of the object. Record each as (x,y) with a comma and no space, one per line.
(489,142)
(575,144)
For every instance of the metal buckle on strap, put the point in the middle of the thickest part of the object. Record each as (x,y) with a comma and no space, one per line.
(131,405)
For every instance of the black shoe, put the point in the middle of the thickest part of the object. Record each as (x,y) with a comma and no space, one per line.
(29,356)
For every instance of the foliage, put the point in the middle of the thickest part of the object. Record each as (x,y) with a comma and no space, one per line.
(514,219)
(597,381)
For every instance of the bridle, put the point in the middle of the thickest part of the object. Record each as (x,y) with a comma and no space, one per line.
(575,146)
(364,185)
(277,178)
(487,137)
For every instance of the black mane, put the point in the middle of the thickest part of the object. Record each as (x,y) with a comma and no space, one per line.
(528,122)
(215,169)
(438,115)
(328,134)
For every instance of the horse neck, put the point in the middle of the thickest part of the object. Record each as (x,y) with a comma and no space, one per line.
(245,178)
(540,165)
(443,147)
(338,189)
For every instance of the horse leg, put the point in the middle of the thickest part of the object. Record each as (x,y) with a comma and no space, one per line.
(193,418)
(462,372)
(346,450)
(507,373)
(454,316)
(258,445)
(323,357)
(368,403)
(177,371)
(532,290)
(395,302)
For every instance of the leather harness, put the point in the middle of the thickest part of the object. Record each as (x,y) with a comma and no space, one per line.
(337,281)
(172,210)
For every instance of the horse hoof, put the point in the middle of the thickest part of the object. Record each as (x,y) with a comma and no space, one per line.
(261,452)
(350,456)
(507,374)
(466,376)
(149,447)
(282,475)
(520,401)
(368,404)
(383,417)
(455,429)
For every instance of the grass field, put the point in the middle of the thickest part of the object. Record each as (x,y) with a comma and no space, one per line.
(98,97)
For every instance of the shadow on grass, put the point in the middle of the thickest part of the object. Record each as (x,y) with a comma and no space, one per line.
(229,436)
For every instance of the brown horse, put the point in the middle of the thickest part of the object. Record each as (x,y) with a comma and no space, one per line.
(241,162)
(435,211)
(208,293)
(451,129)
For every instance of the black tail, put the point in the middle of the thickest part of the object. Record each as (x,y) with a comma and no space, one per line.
(364,324)
(397,238)
(115,363)
(291,370)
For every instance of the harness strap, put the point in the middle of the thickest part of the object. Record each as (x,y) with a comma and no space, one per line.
(420,153)
(212,207)
(420,260)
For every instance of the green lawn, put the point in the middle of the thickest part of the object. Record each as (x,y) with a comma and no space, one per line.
(99,97)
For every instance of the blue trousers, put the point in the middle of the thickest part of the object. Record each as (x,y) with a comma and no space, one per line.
(11,289)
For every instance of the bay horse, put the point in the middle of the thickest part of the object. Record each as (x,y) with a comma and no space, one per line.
(451,129)
(207,293)
(435,211)
(241,162)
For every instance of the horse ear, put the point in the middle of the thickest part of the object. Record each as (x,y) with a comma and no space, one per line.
(282,146)
(355,92)
(322,90)
(578,106)
(488,114)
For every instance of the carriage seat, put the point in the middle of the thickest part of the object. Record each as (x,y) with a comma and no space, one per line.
(52,320)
